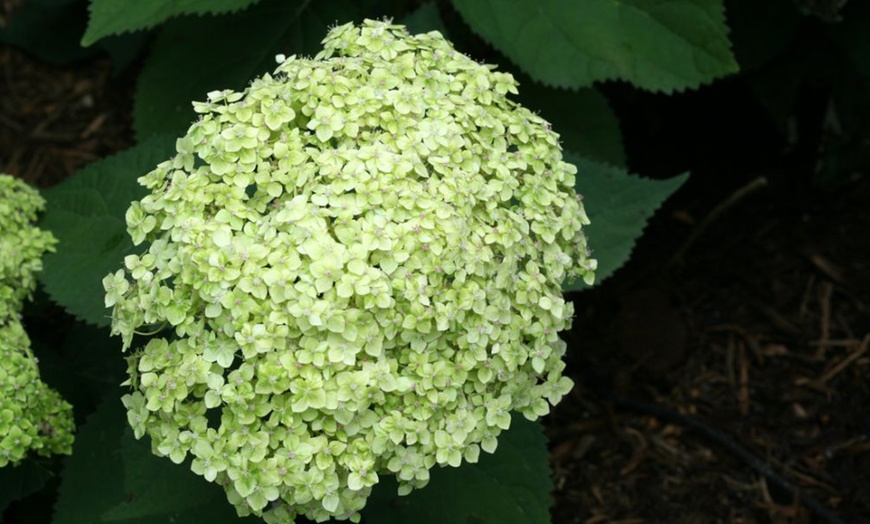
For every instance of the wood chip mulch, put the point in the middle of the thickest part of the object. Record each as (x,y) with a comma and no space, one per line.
(758,342)
(57,119)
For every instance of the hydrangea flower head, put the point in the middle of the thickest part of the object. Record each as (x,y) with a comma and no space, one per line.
(360,259)
(21,244)
(33,417)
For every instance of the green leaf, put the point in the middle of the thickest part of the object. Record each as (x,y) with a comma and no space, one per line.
(584,120)
(95,356)
(189,59)
(112,477)
(56,370)
(619,205)
(91,478)
(511,486)
(20,481)
(86,214)
(84,367)
(112,17)
(178,489)
(424,19)
(655,45)
(48,29)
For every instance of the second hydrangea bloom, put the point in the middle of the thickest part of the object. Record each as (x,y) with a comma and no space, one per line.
(360,258)
(33,417)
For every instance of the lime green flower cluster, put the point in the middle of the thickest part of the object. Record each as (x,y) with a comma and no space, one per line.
(33,417)
(360,257)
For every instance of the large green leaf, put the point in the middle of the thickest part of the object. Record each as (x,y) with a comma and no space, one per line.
(511,486)
(17,482)
(178,490)
(619,205)
(112,477)
(583,118)
(656,45)
(424,19)
(91,478)
(58,372)
(84,367)
(193,56)
(95,356)
(112,17)
(86,214)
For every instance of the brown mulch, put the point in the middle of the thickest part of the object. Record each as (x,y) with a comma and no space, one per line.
(57,119)
(760,333)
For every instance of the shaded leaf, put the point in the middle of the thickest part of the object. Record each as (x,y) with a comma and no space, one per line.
(619,205)
(583,118)
(86,365)
(95,355)
(91,478)
(660,46)
(17,482)
(178,488)
(86,214)
(761,31)
(50,30)
(187,60)
(111,17)
(511,486)
(109,471)
(58,374)
(123,49)
(424,19)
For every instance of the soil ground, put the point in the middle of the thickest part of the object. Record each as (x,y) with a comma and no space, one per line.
(760,334)
(748,331)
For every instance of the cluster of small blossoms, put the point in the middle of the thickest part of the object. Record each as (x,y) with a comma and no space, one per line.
(33,417)
(357,261)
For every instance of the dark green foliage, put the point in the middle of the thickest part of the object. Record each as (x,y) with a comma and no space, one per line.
(179,493)
(583,118)
(19,481)
(49,29)
(660,46)
(110,17)
(619,205)
(111,477)
(508,487)
(83,367)
(90,482)
(207,50)
(86,214)
(424,19)
(809,70)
